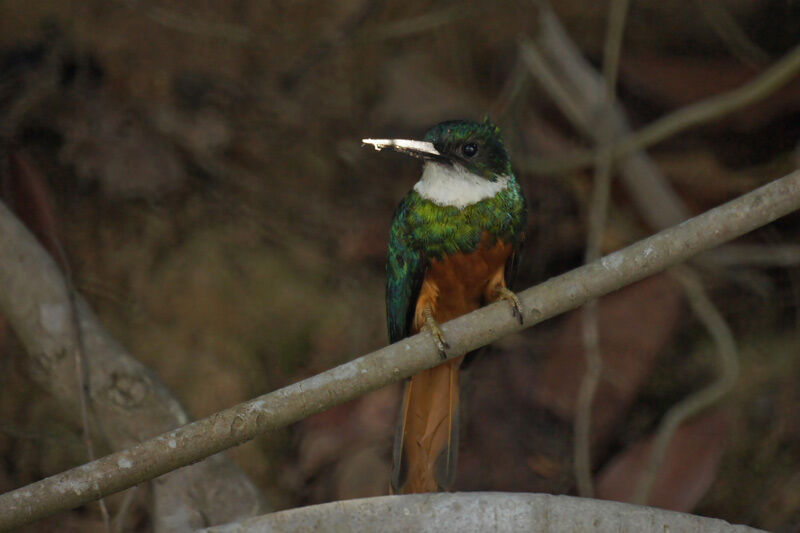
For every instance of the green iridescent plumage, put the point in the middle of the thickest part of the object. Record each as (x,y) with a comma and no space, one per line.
(423,230)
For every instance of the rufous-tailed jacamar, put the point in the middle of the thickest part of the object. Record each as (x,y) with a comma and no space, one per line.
(453,246)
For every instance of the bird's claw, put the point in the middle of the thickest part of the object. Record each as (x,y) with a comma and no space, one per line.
(438,337)
(516,306)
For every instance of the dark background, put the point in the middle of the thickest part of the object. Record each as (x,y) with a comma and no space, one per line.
(207,182)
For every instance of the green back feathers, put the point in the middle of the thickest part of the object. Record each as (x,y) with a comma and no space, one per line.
(405,270)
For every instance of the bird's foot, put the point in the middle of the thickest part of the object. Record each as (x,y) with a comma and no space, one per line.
(436,332)
(509,296)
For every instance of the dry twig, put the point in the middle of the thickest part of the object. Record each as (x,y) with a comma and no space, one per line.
(653,195)
(728,368)
(707,110)
(732,34)
(650,192)
(598,213)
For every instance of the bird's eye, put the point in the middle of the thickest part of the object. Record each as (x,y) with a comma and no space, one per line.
(469,149)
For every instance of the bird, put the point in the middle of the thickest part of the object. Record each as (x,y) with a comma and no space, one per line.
(454,246)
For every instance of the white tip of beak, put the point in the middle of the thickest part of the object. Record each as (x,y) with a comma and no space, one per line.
(402,145)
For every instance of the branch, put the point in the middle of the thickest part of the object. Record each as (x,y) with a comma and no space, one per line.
(727,367)
(277,409)
(128,403)
(761,255)
(652,194)
(194,25)
(571,76)
(716,106)
(654,198)
(598,214)
(732,35)
(686,117)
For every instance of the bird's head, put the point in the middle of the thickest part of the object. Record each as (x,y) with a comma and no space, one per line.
(476,147)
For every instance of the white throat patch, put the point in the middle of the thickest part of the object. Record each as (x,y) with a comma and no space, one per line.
(455,185)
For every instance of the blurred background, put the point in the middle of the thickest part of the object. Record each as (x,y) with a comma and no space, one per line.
(200,165)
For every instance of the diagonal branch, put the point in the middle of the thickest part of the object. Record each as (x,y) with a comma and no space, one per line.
(245,421)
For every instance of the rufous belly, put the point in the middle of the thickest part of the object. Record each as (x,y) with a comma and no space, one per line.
(459,283)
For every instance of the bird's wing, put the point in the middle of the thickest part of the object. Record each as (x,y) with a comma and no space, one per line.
(512,263)
(518,229)
(405,270)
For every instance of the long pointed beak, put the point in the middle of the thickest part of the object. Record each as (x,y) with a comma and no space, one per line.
(421,149)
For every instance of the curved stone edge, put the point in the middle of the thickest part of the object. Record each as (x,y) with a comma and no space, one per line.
(479,511)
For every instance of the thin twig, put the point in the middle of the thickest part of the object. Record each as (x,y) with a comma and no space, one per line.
(653,196)
(124,508)
(432,20)
(330,43)
(40,88)
(732,34)
(582,430)
(81,369)
(598,214)
(516,84)
(193,25)
(710,109)
(715,107)
(242,35)
(233,426)
(728,369)
(558,91)
(761,255)
(618,12)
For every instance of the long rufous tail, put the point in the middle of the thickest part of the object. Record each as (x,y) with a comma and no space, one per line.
(426,444)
